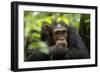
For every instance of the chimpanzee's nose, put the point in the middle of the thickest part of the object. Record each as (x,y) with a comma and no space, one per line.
(61,38)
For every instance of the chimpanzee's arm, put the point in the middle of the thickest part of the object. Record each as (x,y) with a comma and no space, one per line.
(77,48)
(57,52)
(74,53)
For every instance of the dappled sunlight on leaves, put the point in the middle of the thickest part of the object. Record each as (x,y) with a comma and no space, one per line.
(33,22)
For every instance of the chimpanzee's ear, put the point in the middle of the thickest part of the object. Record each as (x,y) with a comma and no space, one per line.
(45,25)
(66,25)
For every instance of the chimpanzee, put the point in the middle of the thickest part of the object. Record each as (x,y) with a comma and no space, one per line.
(64,42)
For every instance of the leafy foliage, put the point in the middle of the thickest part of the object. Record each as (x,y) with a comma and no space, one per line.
(33,22)
(84,29)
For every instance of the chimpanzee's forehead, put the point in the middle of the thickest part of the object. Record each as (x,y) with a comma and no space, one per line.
(59,26)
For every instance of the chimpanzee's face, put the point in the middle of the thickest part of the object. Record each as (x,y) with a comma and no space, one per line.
(59,33)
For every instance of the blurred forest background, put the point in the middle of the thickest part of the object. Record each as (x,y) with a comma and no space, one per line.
(33,22)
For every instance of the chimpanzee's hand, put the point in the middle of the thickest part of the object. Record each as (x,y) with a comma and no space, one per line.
(62,43)
(57,51)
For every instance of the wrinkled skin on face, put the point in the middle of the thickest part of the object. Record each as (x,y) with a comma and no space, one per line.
(60,36)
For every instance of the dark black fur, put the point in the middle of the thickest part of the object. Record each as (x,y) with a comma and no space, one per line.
(77,48)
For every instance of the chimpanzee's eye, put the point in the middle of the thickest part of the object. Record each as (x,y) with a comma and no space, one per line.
(64,31)
(57,32)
